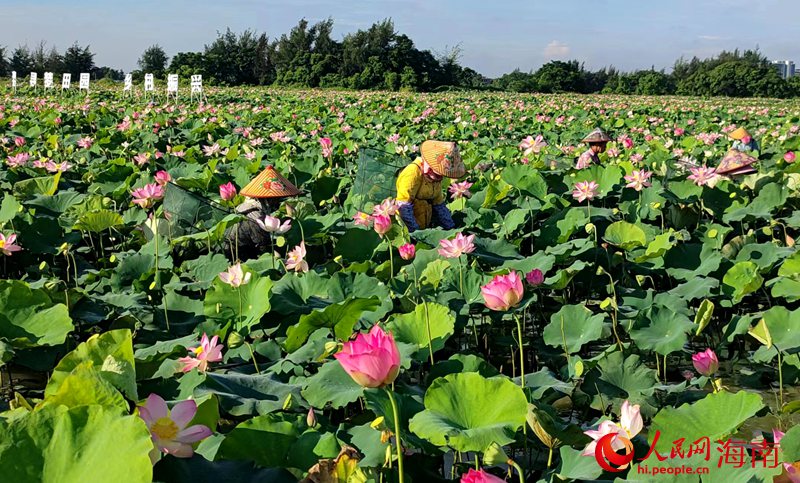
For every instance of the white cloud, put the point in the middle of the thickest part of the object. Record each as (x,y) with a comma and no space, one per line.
(712,37)
(556,50)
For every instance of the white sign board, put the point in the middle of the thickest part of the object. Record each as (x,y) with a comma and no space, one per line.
(14,79)
(172,83)
(48,80)
(84,81)
(128,82)
(34,77)
(66,80)
(148,82)
(197,84)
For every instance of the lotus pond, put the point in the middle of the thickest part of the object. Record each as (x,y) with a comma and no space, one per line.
(645,296)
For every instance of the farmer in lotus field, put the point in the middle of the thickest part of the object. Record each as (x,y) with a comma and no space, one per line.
(250,238)
(419,186)
(597,140)
(743,141)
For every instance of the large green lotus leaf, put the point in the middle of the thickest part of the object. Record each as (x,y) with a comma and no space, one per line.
(540,260)
(110,354)
(606,177)
(572,327)
(8,208)
(468,412)
(85,385)
(660,245)
(619,378)
(666,333)
(223,302)
(791,267)
(563,276)
(98,221)
(715,416)
(687,261)
(787,288)
(703,316)
(343,286)
(790,445)
(28,318)
(204,270)
(77,445)
(340,318)
(696,288)
(770,197)
(245,395)
(331,384)
(357,245)
(201,469)
(293,294)
(525,178)
(625,235)
(462,363)
(541,381)
(266,440)
(368,442)
(782,325)
(559,227)
(764,255)
(576,466)
(742,279)
(412,328)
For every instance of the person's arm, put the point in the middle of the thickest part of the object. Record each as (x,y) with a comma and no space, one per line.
(408,183)
(442,214)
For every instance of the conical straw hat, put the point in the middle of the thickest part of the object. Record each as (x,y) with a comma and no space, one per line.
(597,136)
(739,134)
(270,184)
(443,158)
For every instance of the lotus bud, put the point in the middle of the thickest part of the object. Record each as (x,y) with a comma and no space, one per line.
(311,418)
(601,270)
(494,455)
(235,340)
(589,228)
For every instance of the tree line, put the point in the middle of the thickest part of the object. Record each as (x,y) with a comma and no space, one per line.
(382,58)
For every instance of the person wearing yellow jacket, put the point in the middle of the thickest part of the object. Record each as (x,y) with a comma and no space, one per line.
(419,186)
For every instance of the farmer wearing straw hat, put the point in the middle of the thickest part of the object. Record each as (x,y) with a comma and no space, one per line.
(419,186)
(265,192)
(597,140)
(743,141)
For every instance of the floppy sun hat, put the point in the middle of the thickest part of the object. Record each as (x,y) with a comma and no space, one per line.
(597,136)
(270,184)
(443,158)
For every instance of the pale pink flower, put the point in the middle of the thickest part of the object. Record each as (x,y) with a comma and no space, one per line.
(168,429)
(679,131)
(17,160)
(54,167)
(702,175)
(393,138)
(273,225)
(629,426)
(212,150)
(295,259)
(532,145)
(460,190)
(141,159)
(535,277)
(362,219)
(627,142)
(146,196)
(85,142)
(456,247)
(8,244)
(503,292)
(638,179)
(162,178)
(227,191)
(388,207)
(585,190)
(407,251)
(371,359)
(200,355)
(19,141)
(789,157)
(382,224)
(327,147)
(235,276)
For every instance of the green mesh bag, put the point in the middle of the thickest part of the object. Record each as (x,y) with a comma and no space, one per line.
(375,179)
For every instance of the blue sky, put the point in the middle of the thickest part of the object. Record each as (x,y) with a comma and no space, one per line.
(495,36)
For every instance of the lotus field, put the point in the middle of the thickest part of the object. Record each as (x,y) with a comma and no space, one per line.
(584,321)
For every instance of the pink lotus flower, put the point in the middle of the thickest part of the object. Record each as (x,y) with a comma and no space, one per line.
(479,476)
(372,359)
(19,141)
(792,472)
(212,150)
(456,247)
(702,175)
(18,160)
(295,259)
(629,426)
(200,355)
(141,159)
(382,224)
(460,190)
(147,196)
(162,178)
(53,167)
(679,131)
(235,276)
(585,190)
(85,143)
(584,160)
(627,142)
(535,277)
(706,362)
(362,219)
(273,225)
(388,207)
(327,147)
(227,191)
(168,429)
(407,251)
(393,138)
(8,244)
(789,157)
(532,145)
(638,179)
(503,292)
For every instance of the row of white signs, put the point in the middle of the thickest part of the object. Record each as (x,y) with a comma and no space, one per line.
(66,79)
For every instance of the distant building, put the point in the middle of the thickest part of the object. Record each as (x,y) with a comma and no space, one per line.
(785,68)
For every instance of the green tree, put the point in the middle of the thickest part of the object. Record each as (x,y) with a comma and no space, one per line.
(153,61)
(3,62)
(21,61)
(559,76)
(653,83)
(78,60)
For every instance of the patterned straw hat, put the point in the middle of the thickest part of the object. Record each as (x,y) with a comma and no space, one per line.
(736,162)
(270,184)
(597,136)
(739,134)
(443,158)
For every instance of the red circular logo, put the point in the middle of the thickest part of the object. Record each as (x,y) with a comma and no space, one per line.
(604,453)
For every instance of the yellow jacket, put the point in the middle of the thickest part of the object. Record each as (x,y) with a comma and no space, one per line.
(415,188)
